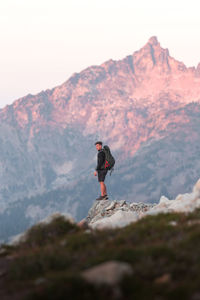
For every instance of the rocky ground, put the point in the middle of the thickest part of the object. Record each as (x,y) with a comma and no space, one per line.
(115,214)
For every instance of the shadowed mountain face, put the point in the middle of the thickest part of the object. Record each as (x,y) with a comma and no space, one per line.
(146,107)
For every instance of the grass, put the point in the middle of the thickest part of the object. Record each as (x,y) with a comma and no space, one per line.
(164,245)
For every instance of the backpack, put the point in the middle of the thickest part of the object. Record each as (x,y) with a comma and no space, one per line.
(109,160)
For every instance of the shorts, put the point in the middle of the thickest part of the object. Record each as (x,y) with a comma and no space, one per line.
(102,175)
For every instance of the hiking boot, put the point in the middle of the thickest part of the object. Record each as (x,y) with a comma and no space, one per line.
(101,198)
(105,197)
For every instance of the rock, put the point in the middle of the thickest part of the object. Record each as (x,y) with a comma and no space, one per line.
(173,223)
(96,210)
(112,214)
(83,224)
(3,251)
(117,220)
(88,231)
(63,243)
(163,279)
(196,188)
(122,202)
(110,273)
(133,204)
(40,280)
(182,203)
(141,207)
(111,206)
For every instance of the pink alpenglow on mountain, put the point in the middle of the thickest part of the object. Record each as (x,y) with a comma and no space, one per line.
(126,100)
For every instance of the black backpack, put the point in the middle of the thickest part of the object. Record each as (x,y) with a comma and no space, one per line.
(109,160)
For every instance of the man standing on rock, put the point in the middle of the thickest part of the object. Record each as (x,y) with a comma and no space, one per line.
(100,171)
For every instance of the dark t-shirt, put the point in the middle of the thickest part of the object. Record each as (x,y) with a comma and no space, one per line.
(100,160)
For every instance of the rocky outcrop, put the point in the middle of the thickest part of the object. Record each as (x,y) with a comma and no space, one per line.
(182,203)
(112,214)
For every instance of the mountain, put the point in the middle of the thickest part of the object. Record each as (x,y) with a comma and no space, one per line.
(146,107)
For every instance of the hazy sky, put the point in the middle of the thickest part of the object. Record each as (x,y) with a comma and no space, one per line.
(43,42)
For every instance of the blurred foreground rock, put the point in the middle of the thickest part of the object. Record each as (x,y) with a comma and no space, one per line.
(110,272)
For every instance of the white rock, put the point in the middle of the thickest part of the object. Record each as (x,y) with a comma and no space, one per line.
(133,204)
(117,220)
(122,202)
(164,200)
(156,211)
(182,203)
(110,272)
(173,223)
(196,188)
(111,206)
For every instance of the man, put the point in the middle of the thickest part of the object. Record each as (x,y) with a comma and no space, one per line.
(100,171)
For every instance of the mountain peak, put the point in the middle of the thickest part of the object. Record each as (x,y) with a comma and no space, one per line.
(153,41)
(150,56)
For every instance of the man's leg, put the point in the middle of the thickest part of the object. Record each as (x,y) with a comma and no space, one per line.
(103,188)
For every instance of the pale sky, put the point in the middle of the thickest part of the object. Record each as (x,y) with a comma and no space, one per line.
(43,42)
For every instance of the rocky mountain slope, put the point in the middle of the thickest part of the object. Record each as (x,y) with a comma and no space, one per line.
(146,107)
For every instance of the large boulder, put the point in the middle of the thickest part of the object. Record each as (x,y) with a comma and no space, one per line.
(110,273)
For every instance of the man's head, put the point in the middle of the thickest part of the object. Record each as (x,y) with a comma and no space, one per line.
(98,145)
